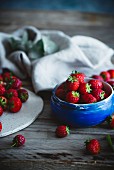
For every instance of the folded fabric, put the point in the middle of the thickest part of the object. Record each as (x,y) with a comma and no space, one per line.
(80,53)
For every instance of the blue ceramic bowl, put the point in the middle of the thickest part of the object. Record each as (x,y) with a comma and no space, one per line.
(83,115)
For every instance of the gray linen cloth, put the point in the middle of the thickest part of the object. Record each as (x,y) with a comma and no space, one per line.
(81,53)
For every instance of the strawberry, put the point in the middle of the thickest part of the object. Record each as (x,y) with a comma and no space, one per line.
(79,76)
(2,90)
(72,97)
(23,95)
(14,104)
(99,94)
(110,121)
(62,131)
(93,146)
(11,93)
(105,75)
(0,126)
(18,141)
(1,111)
(111,82)
(97,77)
(62,86)
(3,102)
(96,84)
(7,76)
(14,83)
(84,88)
(88,98)
(111,72)
(60,93)
(72,83)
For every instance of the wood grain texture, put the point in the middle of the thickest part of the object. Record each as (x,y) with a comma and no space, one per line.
(43,150)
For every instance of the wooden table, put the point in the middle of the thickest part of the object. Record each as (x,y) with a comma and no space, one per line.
(43,150)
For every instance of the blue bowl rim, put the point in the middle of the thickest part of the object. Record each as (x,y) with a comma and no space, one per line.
(82,105)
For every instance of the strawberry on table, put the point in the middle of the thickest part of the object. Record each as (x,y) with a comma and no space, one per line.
(14,104)
(78,75)
(99,94)
(1,110)
(88,98)
(111,72)
(0,126)
(96,84)
(84,88)
(23,95)
(93,146)
(18,141)
(72,83)
(3,102)
(72,97)
(11,93)
(62,131)
(105,75)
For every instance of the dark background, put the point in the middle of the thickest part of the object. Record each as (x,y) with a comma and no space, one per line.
(99,6)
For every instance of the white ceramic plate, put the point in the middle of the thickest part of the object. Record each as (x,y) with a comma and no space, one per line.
(14,122)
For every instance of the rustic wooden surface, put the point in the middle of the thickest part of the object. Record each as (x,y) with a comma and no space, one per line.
(42,149)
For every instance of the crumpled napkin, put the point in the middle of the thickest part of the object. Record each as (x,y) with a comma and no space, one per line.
(81,53)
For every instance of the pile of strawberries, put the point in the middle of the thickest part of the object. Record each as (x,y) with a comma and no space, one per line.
(76,90)
(12,95)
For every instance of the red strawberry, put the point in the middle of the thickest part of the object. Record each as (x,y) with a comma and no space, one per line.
(88,98)
(7,76)
(3,102)
(99,94)
(84,88)
(2,90)
(60,93)
(1,111)
(18,141)
(72,97)
(0,126)
(111,82)
(111,72)
(23,95)
(93,146)
(110,121)
(97,77)
(72,83)
(14,104)
(14,83)
(96,84)
(62,131)
(79,76)
(11,93)
(105,75)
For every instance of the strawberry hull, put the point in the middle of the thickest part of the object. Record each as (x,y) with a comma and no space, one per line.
(83,115)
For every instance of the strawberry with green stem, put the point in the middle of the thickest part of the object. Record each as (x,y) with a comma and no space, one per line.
(79,76)
(14,104)
(23,95)
(72,97)
(62,131)
(3,102)
(18,141)
(84,88)
(93,146)
(72,83)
